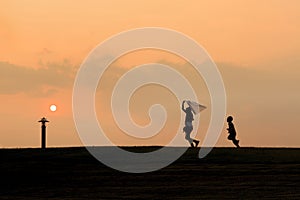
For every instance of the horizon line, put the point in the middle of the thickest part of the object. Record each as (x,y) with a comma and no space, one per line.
(154,146)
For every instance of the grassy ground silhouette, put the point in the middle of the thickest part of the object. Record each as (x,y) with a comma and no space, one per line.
(226,173)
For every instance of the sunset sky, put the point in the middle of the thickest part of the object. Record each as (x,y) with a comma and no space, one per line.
(255,44)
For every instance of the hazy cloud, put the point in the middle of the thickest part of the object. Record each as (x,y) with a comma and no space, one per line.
(43,81)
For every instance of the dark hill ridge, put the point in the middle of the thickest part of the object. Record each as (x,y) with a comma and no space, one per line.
(72,173)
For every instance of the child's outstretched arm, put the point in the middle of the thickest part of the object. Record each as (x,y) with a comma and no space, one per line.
(182,106)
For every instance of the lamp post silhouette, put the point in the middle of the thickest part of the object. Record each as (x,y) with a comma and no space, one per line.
(43,121)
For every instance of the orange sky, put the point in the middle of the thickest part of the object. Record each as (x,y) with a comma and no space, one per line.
(255,45)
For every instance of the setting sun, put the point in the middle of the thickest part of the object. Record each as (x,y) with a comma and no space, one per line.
(53,108)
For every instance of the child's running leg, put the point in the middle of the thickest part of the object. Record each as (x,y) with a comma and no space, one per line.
(236,142)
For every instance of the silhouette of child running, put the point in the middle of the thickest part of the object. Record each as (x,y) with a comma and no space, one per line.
(188,125)
(232,132)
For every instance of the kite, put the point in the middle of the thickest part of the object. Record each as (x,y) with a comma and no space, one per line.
(196,107)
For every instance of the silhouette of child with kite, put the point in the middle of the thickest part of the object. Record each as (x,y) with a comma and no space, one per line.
(232,132)
(195,108)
